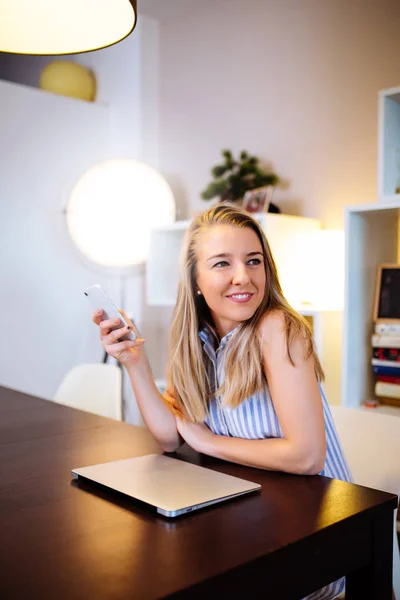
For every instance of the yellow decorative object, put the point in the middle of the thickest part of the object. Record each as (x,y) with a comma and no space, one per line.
(68,78)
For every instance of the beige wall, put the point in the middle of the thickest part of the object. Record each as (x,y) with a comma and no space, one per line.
(294,81)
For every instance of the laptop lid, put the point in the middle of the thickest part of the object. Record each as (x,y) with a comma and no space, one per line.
(173,486)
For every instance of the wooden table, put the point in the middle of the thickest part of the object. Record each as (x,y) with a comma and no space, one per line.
(62,541)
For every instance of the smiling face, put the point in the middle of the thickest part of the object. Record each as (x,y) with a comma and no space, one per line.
(230,274)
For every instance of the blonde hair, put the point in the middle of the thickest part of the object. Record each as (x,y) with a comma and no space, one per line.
(187,368)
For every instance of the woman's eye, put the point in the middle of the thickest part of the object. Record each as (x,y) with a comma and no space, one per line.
(224,263)
(221,263)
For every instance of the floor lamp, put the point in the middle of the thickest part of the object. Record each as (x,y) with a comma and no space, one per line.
(110,214)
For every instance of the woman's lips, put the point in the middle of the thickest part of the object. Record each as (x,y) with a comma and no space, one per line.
(240,298)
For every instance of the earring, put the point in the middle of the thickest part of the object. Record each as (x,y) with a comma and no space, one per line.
(198,292)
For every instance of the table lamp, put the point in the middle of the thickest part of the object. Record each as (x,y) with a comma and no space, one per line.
(321,271)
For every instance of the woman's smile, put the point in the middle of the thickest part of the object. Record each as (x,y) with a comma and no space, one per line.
(240,297)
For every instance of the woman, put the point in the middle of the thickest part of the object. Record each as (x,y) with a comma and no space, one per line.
(243,375)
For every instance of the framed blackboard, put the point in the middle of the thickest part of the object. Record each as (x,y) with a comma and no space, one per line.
(387,295)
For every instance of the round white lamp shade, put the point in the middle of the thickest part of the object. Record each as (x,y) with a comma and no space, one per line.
(49,27)
(113,208)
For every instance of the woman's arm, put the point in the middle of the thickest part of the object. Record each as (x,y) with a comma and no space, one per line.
(154,410)
(297,401)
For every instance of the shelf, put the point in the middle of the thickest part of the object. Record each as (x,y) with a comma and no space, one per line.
(371,208)
(34,90)
(388,144)
(383,409)
(176,226)
(391,198)
(306,312)
(372,238)
(372,234)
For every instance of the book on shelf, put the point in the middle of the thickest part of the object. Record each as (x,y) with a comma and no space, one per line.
(389,378)
(391,354)
(387,328)
(382,370)
(392,364)
(388,401)
(385,340)
(387,390)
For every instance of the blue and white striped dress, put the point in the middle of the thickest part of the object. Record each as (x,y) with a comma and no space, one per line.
(255,418)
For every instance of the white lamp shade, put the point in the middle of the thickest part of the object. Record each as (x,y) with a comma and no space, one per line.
(48,27)
(316,277)
(113,208)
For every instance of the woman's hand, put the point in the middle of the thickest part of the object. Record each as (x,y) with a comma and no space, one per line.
(198,436)
(126,352)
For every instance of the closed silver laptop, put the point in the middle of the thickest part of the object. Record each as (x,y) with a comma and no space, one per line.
(172,486)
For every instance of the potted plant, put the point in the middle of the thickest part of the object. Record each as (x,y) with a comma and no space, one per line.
(233,178)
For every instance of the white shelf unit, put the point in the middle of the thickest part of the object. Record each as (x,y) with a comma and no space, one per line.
(284,236)
(389,145)
(163,263)
(372,238)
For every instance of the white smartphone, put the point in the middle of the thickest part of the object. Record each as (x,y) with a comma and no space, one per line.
(99,299)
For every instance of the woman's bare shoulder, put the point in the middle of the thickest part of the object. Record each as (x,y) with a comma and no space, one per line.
(273,325)
(276,339)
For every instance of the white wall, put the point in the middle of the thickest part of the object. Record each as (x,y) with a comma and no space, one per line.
(48,141)
(294,81)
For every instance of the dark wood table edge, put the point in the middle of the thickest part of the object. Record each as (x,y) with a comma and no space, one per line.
(357,551)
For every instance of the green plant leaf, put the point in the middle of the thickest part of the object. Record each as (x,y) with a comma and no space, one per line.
(219,170)
(227,154)
(215,188)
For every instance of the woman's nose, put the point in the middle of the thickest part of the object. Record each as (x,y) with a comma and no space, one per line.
(240,275)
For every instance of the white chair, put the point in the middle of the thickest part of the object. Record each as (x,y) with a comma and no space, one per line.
(371,443)
(94,387)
